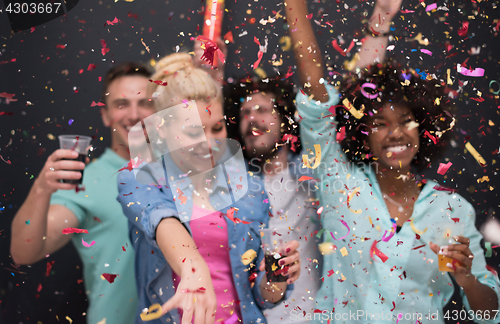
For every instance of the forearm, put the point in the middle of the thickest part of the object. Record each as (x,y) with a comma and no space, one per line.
(29,227)
(178,247)
(272,291)
(306,49)
(481,297)
(374,48)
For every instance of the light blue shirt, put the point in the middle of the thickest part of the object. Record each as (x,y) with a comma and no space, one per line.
(356,283)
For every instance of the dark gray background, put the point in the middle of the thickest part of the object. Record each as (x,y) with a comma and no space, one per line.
(47,98)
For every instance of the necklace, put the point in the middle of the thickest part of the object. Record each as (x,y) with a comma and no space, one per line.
(400,206)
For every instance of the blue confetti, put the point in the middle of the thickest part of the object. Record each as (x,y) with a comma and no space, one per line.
(70,121)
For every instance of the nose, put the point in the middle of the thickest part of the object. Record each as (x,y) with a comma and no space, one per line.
(134,113)
(396,131)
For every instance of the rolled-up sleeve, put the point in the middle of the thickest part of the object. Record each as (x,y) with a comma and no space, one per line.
(145,202)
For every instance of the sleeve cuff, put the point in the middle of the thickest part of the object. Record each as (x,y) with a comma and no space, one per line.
(315,108)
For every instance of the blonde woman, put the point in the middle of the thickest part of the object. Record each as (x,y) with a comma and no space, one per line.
(190,225)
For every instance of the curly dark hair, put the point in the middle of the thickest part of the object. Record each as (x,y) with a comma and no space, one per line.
(238,89)
(395,84)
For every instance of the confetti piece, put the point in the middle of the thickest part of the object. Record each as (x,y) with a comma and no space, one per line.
(377,252)
(70,121)
(317,157)
(248,257)
(87,244)
(159,82)
(232,319)
(100,104)
(292,139)
(28,222)
(70,230)
(349,198)
(69,319)
(103,321)
(110,277)
(477,72)
(154,312)
(285,43)
(475,154)
(326,248)
(8,97)
(229,37)
(425,51)
(209,50)
(230,215)
(182,198)
(356,113)
(443,168)
(343,251)
(115,21)
(419,39)
(305,178)
(462,32)
(415,229)
(145,46)
(430,7)
(391,232)
(49,267)
(348,231)
(366,94)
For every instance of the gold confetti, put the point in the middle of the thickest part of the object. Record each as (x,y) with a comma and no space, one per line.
(248,257)
(475,154)
(419,39)
(286,43)
(51,137)
(317,157)
(343,251)
(483,179)
(142,41)
(356,113)
(69,319)
(326,248)
(415,229)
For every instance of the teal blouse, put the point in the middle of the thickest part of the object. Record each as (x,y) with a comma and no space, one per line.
(358,286)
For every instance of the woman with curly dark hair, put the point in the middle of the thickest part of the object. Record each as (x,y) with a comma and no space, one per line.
(365,142)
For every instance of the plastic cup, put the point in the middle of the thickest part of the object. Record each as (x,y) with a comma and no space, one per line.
(79,144)
(274,242)
(444,232)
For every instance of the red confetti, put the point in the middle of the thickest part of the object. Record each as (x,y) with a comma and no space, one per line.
(159,82)
(4,113)
(462,32)
(49,267)
(131,165)
(100,104)
(71,230)
(293,140)
(91,67)
(304,178)
(331,272)
(441,188)
(123,249)
(8,96)
(109,277)
(104,49)
(443,168)
(210,49)
(433,138)
(455,219)
(230,215)
(39,288)
(229,37)
(309,16)
(115,21)
(61,46)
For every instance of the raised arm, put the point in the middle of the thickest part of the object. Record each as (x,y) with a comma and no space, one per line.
(379,25)
(37,226)
(306,50)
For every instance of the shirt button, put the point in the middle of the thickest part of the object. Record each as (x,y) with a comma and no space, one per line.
(154,296)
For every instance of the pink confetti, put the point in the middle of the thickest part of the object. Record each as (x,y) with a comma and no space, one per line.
(377,252)
(426,52)
(87,244)
(100,104)
(477,72)
(115,21)
(348,231)
(431,7)
(366,94)
(443,168)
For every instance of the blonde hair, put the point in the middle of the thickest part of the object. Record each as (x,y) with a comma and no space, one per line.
(183,80)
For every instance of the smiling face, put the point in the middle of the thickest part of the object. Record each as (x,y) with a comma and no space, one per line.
(394,136)
(127,104)
(259,124)
(196,147)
